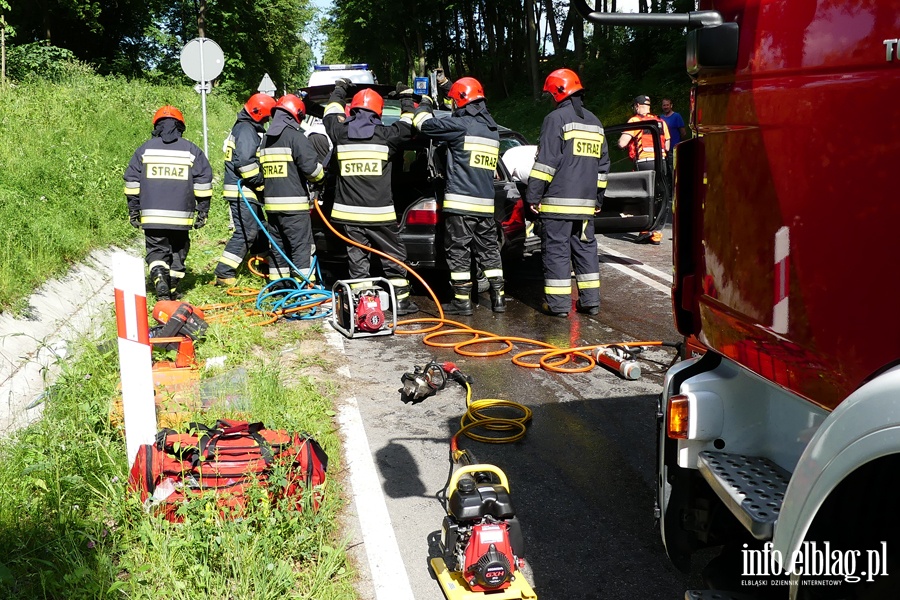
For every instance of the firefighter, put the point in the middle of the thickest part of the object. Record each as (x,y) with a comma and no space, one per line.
(565,189)
(289,164)
(473,146)
(167,182)
(363,202)
(242,166)
(641,150)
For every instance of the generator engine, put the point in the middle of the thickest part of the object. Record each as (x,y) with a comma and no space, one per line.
(369,316)
(481,539)
(363,307)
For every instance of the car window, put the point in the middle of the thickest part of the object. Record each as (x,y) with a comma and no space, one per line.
(507,142)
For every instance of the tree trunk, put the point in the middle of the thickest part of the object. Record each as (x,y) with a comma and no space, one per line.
(551,27)
(420,45)
(459,65)
(532,49)
(445,42)
(578,34)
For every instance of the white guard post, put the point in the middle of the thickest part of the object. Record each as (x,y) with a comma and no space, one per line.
(135,360)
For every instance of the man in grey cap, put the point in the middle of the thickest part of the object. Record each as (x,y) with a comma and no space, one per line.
(641,150)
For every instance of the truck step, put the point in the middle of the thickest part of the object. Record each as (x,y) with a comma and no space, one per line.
(716,595)
(751,486)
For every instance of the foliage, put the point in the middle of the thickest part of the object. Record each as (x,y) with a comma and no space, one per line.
(489,39)
(145,37)
(105,33)
(41,60)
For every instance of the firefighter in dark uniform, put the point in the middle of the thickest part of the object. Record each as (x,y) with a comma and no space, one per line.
(289,164)
(473,147)
(363,202)
(242,166)
(167,181)
(565,188)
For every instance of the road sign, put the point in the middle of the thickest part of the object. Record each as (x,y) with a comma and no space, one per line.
(267,86)
(202,59)
(420,85)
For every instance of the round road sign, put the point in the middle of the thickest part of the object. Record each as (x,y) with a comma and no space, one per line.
(212,64)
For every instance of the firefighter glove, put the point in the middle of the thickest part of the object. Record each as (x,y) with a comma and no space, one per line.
(407,105)
(427,102)
(200,220)
(439,75)
(135,218)
(403,91)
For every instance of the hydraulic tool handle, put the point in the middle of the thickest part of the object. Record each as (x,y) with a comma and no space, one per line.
(481,468)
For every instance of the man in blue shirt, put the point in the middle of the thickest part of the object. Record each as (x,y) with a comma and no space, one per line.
(677,131)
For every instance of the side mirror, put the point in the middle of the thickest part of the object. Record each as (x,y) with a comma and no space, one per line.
(712,48)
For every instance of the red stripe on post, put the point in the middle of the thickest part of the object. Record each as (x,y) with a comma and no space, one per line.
(782,280)
(121,328)
(142,325)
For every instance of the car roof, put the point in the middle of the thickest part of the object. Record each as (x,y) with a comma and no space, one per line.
(315,98)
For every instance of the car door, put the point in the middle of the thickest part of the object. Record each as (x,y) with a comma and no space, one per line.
(635,200)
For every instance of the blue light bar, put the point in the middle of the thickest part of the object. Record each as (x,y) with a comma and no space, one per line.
(352,67)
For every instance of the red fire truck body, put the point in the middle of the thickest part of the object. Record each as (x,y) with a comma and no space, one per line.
(786,432)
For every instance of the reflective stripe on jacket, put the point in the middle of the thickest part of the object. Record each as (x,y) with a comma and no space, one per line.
(167,183)
(568,178)
(472,152)
(363,191)
(242,159)
(288,161)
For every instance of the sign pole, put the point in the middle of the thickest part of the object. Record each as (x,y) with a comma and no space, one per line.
(203,97)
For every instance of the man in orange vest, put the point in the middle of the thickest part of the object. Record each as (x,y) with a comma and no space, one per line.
(641,150)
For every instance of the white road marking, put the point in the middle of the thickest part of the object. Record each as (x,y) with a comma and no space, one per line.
(666,289)
(653,271)
(389,578)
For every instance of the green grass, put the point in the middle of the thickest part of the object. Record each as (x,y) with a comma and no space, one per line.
(63,149)
(69,528)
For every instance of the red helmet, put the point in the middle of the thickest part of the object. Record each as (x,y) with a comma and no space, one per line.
(562,83)
(259,106)
(369,100)
(168,111)
(293,105)
(465,90)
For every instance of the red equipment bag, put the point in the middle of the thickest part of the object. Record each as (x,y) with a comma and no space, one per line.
(224,460)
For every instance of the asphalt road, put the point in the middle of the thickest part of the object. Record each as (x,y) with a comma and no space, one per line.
(582,478)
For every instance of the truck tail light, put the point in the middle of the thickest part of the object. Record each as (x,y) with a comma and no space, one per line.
(424,212)
(678,420)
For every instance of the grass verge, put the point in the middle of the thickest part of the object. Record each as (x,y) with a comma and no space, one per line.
(68,526)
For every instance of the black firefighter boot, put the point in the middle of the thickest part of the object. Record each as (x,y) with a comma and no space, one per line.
(498,298)
(462,300)
(159,277)
(405,305)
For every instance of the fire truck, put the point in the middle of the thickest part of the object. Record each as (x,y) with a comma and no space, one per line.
(783,437)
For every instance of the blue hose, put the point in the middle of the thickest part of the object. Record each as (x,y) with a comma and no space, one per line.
(286,293)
